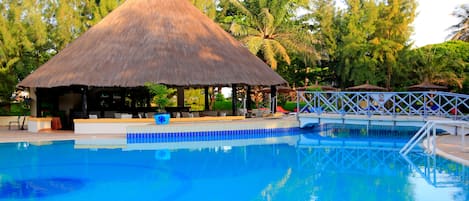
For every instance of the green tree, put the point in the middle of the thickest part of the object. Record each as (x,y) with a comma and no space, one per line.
(267,30)
(208,7)
(355,63)
(392,34)
(22,31)
(325,27)
(363,40)
(445,63)
(31,32)
(324,24)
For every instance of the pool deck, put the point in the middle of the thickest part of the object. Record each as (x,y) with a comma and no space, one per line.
(448,146)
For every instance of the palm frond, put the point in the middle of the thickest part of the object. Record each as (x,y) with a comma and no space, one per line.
(280,49)
(238,5)
(253,43)
(267,21)
(269,55)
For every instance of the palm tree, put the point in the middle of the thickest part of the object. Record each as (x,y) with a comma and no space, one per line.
(461,29)
(431,67)
(268,30)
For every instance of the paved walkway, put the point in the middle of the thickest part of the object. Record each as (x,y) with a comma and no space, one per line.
(448,146)
(451,147)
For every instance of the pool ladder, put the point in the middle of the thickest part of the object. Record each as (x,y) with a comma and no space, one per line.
(422,132)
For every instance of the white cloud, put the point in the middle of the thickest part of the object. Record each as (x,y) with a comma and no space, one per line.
(433,19)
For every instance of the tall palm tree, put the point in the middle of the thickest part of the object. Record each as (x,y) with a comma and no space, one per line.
(268,30)
(461,29)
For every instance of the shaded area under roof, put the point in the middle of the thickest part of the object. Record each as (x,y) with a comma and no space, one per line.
(159,41)
(426,86)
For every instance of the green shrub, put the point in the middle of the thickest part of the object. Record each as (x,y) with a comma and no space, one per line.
(222,105)
(160,94)
(291,105)
(16,109)
(219,97)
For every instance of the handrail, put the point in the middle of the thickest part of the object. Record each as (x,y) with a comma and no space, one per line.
(416,138)
(431,126)
(421,103)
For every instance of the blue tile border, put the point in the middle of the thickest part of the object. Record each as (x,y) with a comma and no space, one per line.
(152,137)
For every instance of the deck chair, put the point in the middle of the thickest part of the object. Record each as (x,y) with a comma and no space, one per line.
(14,122)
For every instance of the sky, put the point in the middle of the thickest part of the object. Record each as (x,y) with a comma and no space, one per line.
(433,19)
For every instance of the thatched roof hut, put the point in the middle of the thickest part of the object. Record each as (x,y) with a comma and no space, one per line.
(159,41)
(426,86)
(366,87)
(280,89)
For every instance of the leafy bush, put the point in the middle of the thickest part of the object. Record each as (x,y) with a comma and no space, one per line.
(219,97)
(16,109)
(291,105)
(160,94)
(222,105)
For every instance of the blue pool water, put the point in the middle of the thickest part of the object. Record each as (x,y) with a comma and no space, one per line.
(331,162)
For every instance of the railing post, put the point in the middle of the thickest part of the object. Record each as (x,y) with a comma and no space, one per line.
(342,108)
(425,96)
(434,140)
(297,104)
(427,132)
(394,106)
(463,140)
(439,104)
(456,108)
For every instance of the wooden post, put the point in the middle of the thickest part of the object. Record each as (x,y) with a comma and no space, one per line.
(84,101)
(180,96)
(206,108)
(248,101)
(273,98)
(233,99)
(38,102)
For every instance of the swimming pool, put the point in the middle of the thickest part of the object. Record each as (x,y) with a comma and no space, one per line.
(331,162)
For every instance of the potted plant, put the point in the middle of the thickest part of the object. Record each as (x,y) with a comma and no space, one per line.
(160,98)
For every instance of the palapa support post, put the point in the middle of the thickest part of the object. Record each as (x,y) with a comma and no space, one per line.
(84,101)
(38,103)
(248,101)
(233,99)
(206,106)
(273,99)
(180,96)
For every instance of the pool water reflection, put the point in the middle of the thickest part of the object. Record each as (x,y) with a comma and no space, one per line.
(316,164)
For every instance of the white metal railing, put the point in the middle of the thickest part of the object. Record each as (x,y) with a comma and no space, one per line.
(424,131)
(429,131)
(422,104)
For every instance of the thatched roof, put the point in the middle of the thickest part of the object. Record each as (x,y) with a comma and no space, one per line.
(280,89)
(426,86)
(162,41)
(366,87)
